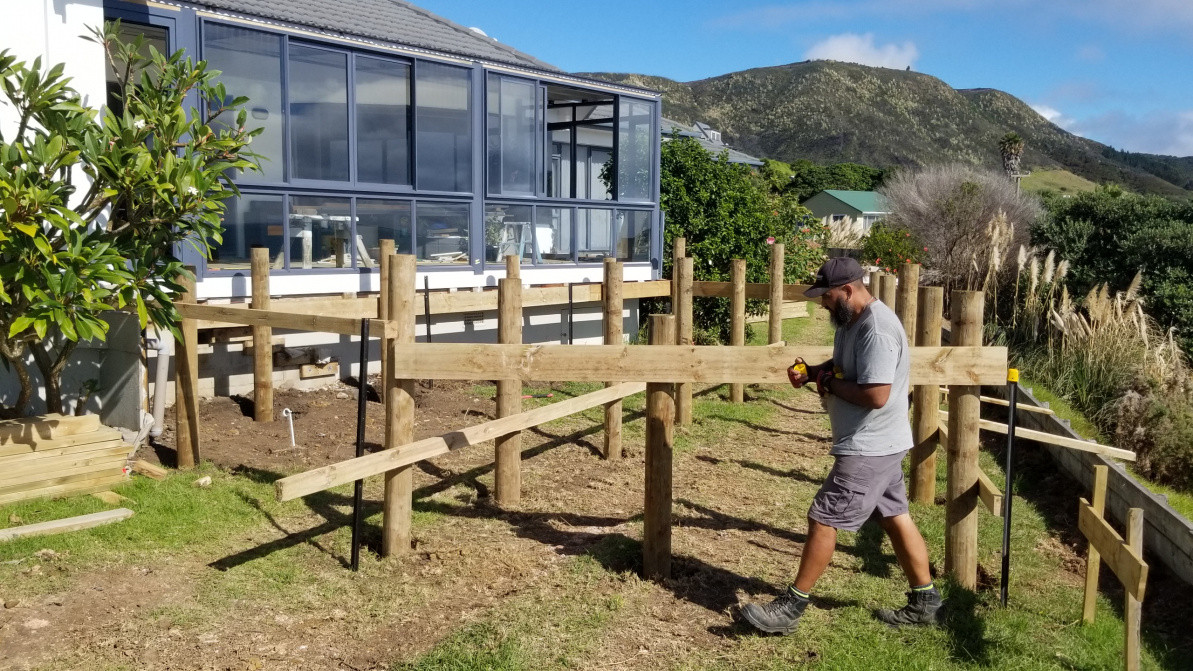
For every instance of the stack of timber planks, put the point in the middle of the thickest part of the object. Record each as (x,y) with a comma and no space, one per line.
(59,455)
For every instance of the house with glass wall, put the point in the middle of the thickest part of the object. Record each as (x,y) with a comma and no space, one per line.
(383,121)
(380,120)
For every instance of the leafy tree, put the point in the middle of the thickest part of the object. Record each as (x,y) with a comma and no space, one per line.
(807,179)
(156,177)
(1011,149)
(725,213)
(1108,235)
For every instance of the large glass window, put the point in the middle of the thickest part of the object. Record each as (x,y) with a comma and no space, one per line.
(377,220)
(512,136)
(382,121)
(580,156)
(251,66)
(151,36)
(594,234)
(553,234)
(509,231)
(443,119)
(318,113)
(250,220)
(636,139)
(633,235)
(320,232)
(442,232)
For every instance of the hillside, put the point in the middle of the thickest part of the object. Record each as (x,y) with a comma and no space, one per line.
(831,112)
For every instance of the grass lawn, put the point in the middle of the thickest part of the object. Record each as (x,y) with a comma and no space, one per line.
(226,577)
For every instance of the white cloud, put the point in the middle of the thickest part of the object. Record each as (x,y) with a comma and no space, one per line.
(854,48)
(1158,132)
(1054,115)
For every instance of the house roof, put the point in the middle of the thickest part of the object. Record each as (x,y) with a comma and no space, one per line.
(862,201)
(698,132)
(388,20)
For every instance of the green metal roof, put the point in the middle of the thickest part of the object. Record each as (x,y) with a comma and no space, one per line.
(862,201)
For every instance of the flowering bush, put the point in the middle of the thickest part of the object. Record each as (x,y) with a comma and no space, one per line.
(889,247)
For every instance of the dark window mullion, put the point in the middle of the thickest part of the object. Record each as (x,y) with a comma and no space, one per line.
(351,84)
(286,152)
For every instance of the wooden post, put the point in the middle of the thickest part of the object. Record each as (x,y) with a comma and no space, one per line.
(262,339)
(683,336)
(905,298)
(875,282)
(887,291)
(386,251)
(399,410)
(1093,562)
(961,512)
(925,399)
(614,307)
(508,469)
(186,380)
(660,428)
(1132,607)
(737,324)
(678,251)
(775,323)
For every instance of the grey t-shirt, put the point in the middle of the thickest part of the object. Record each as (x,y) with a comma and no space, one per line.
(873,350)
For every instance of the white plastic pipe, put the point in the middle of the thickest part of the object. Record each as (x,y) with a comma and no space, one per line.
(162,343)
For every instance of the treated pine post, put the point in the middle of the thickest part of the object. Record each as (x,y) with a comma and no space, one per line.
(660,429)
(399,410)
(886,287)
(1093,562)
(186,380)
(508,469)
(737,324)
(875,281)
(386,251)
(775,322)
(925,399)
(1132,608)
(611,297)
(683,336)
(905,298)
(961,502)
(262,339)
(679,250)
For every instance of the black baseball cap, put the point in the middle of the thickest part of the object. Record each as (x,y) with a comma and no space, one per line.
(835,273)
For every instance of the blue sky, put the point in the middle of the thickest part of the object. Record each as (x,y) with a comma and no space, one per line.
(1116,71)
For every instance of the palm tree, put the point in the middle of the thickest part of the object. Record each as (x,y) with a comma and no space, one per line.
(1011,148)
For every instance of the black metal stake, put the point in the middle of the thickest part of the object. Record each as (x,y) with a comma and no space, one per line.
(427,310)
(1012,396)
(361,398)
(571,314)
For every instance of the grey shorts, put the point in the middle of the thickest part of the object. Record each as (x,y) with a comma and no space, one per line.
(856,487)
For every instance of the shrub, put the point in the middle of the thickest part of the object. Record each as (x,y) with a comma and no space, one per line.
(888,247)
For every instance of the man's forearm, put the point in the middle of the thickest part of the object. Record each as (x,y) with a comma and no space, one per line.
(872,396)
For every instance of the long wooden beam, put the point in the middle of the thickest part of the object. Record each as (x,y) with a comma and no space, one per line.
(66,524)
(991,497)
(671,363)
(448,302)
(319,479)
(1118,555)
(286,320)
(1053,439)
(791,292)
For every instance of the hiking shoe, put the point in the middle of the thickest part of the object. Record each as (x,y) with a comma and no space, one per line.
(922,608)
(780,616)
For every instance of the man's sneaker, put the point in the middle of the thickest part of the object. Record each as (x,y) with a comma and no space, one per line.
(780,616)
(923,607)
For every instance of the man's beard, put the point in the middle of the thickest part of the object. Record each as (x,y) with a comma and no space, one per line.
(841,315)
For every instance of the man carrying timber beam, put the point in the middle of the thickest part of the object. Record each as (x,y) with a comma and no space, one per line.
(864,388)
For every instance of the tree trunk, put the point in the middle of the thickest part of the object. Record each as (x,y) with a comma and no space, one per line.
(52,371)
(16,359)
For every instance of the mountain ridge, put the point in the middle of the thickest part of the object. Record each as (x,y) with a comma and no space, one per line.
(833,112)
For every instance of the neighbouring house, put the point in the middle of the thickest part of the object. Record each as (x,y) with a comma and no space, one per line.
(384,121)
(708,138)
(837,207)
